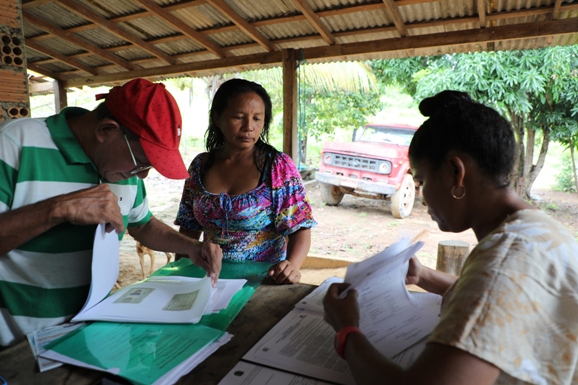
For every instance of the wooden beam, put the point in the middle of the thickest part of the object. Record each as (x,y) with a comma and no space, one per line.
(326,13)
(185,55)
(115,29)
(395,16)
(231,27)
(44,72)
(401,3)
(40,87)
(314,20)
(177,69)
(167,7)
(65,35)
(35,3)
(290,128)
(246,27)
(520,14)
(481,4)
(480,36)
(183,27)
(314,261)
(63,58)
(556,11)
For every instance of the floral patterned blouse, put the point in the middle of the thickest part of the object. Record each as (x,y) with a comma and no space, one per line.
(250,226)
(515,305)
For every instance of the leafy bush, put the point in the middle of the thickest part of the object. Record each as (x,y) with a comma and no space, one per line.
(565,179)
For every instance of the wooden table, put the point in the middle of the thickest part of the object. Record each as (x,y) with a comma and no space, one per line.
(266,307)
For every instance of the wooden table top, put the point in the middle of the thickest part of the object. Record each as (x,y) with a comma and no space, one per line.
(266,307)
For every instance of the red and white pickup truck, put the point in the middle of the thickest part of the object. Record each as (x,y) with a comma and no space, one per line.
(375,165)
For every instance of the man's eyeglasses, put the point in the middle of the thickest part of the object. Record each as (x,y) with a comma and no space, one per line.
(137,169)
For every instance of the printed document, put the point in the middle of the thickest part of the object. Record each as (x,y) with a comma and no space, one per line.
(394,320)
(167,299)
(245,373)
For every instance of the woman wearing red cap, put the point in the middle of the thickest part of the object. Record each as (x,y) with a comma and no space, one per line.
(242,193)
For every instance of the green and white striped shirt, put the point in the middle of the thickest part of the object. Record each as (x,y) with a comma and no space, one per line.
(45,281)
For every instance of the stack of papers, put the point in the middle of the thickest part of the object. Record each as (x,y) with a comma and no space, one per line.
(40,338)
(171,299)
(145,354)
(394,320)
(153,336)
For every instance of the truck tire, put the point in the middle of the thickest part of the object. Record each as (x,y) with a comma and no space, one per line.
(402,200)
(331,195)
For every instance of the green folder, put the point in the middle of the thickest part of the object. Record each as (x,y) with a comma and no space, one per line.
(144,353)
(141,353)
(253,272)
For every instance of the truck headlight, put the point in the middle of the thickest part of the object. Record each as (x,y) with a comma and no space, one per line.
(327,158)
(384,168)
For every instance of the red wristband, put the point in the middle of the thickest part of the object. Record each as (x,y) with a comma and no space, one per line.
(340,338)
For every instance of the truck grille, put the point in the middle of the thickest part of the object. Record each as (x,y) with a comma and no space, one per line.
(355,163)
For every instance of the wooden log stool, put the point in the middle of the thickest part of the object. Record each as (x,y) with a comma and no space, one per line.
(451,256)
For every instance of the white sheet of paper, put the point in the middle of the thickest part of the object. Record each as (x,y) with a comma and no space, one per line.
(224,292)
(246,373)
(173,299)
(314,300)
(390,318)
(39,338)
(105,266)
(358,272)
(302,342)
(394,320)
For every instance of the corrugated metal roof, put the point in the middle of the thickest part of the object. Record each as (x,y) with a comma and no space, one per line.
(118,40)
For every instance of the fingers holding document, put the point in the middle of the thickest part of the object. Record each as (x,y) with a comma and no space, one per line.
(340,313)
(91,206)
(210,258)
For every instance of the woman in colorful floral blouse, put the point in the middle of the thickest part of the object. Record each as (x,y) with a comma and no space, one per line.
(242,193)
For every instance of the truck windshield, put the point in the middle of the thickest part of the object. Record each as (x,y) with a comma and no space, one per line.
(395,135)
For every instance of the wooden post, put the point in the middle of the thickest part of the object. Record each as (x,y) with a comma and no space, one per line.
(60,98)
(451,256)
(290,134)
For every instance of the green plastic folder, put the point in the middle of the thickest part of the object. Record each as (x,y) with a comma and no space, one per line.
(144,353)
(253,272)
(141,353)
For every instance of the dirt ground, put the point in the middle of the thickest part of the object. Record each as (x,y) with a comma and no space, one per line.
(352,231)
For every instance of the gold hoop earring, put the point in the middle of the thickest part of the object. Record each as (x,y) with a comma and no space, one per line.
(454,194)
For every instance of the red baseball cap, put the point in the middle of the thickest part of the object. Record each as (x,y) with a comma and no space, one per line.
(151,112)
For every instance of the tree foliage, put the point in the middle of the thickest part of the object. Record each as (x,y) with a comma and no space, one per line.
(535,89)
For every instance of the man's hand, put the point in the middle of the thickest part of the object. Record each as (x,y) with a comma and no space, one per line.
(91,206)
(284,272)
(209,256)
(340,313)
